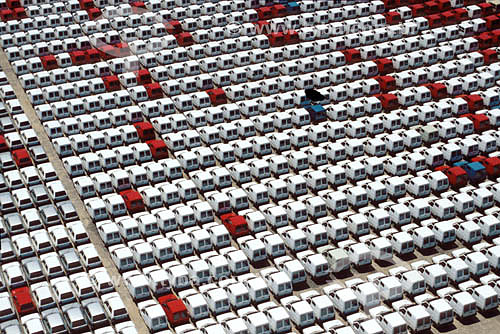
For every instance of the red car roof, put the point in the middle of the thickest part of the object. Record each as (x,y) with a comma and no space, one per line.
(22,294)
(156,143)
(167,298)
(131,194)
(235,219)
(176,306)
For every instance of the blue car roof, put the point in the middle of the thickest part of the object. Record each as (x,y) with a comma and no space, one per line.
(475,166)
(317,108)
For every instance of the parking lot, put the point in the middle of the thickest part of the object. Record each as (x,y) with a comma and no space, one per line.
(309,166)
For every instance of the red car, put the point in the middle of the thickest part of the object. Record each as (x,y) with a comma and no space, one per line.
(487,9)
(386,82)
(6,15)
(485,40)
(20,13)
(236,225)
(492,165)
(184,39)
(431,7)
(174,309)
(417,10)
(173,27)
(460,14)
(291,37)
(13,3)
(93,55)
(22,158)
(443,5)
(489,56)
(94,13)
(278,10)
(78,58)
(457,176)
(111,82)
(133,201)
(474,102)
(393,17)
(143,77)
(217,96)
(158,149)
(481,122)
(23,301)
(154,90)
(492,22)
(389,101)
(449,17)
(86,4)
(435,21)
(145,131)
(136,5)
(48,62)
(438,90)
(3,144)
(352,55)
(265,13)
(276,39)
(384,66)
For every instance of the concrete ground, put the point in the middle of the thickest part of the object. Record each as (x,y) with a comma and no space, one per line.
(481,324)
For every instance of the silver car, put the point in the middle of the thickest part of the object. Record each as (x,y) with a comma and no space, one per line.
(53,321)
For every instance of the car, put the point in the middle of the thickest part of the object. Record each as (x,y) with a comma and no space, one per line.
(33,270)
(56,191)
(21,157)
(51,265)
(14,223)
(70,261)
(101,281)
(235,224)
(115,309)
(43,295)
(38,154)
(6,308)
(6,161)
(67,211)
(174,309)
(77,233)
(74,318)
(94,313)
(48,215)
(32,323)
(39,195)
(53,321)
(7,251)
(59,237)
(23,301)
(89,256)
